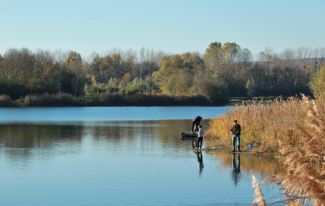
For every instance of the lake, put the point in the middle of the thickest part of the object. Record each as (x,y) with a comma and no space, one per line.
(119,156)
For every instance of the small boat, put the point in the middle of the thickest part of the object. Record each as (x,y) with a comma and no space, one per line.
(189,135)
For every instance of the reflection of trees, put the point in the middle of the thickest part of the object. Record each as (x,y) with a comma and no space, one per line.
(167,132)
(24,137)
(115,132)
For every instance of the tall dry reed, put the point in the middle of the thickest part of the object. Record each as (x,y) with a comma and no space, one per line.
(259,198)
(54,100)
(304,180)
(262,121)
(293,128)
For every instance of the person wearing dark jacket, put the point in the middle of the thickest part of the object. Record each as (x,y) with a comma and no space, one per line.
(196,123)
(235,130)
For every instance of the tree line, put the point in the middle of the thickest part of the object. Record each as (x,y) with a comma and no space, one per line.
(223,70)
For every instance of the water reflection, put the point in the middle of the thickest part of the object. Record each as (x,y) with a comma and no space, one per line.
(236,175)
(127,158)
(249,164)
(21,141)
(200,161)
(39,136)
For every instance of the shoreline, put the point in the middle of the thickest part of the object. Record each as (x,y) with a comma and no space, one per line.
(224,149)
(67,100)
(117,100)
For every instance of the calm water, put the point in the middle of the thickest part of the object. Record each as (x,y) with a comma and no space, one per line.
(118,156)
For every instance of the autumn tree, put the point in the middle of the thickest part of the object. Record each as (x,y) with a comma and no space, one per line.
(17,69)
(176,73)
(317,83)
(45,75)
(232,62)
(73,65)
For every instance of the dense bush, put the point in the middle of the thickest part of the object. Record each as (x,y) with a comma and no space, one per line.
(166,100)
(112,100)
(5,101)
(46,100)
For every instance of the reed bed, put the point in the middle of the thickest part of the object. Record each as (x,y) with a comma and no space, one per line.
(261,121)
(165,100)
(5,100)
(141,99)
(112,100)
(105,99)
(293,129)
(54,100)
(304,180)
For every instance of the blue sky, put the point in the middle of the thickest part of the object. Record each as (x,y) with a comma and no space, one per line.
(173,26)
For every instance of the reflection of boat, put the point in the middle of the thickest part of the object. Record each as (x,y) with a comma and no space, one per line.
(189,135)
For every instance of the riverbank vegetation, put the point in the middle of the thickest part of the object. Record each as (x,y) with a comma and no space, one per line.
(67,100)
(292,129)
(303,182)
(261,121)
(223,70)
(267,121)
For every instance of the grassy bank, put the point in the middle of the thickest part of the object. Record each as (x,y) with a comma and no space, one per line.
(67,100)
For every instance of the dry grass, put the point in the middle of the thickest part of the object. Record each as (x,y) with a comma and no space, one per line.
(304,181)
(5,101)
(263,122)
(295,130)
(165,100)
(140,99)
(46,100)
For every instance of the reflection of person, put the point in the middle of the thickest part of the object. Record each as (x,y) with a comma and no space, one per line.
(200,161)
(236,168)
(196,123)
(199,137)
(235,130)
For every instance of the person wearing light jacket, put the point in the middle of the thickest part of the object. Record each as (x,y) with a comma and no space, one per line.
(200,137)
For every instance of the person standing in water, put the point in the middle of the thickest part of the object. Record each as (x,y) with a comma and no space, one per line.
(199,137)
